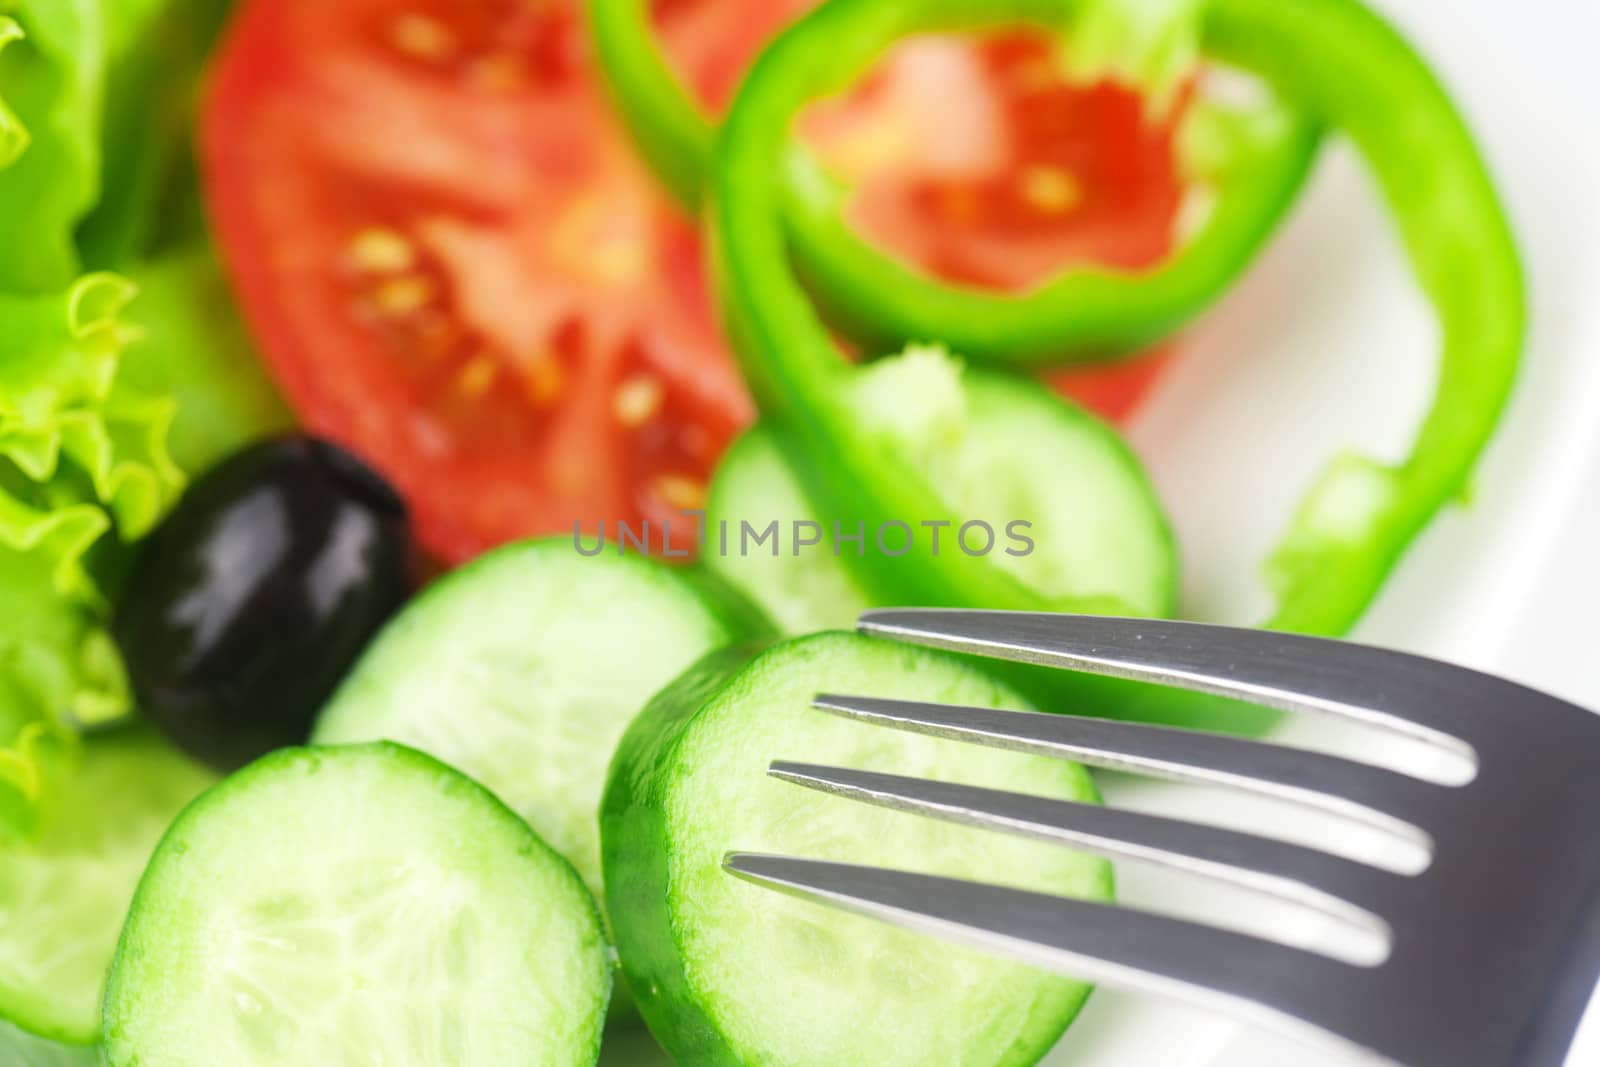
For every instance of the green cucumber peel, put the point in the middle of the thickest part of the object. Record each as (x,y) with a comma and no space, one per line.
(728,973)
(354,905)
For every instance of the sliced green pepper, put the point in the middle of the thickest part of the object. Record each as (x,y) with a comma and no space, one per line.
(1332,58)
(1250,162)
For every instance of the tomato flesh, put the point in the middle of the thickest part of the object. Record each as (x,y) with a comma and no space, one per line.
(711,43)
(457,267)
(1007,173)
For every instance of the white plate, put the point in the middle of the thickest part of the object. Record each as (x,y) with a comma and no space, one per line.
(1326,346)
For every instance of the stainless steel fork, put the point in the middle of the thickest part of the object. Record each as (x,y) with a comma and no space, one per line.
(1493,948)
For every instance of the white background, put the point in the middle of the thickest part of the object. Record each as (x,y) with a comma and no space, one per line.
(1560,39)
(1557,37)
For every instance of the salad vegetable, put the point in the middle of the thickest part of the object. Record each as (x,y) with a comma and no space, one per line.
(1340,61)
(52,75)
(1094,535)
(244,609)
(701,950)
(148,207)
(524,668)
(191,346)
(356,905)
(87,397)
(1242,165)
(456,268)
(65,890)
(802,592)
(1331,57)
(96,97)
(81,456)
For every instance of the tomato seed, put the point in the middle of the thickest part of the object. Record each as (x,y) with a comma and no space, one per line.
(1051,190)
(545,380)
(422,37)
(638,400)
(377,250)
(403,296)
(477,376)
(679,491)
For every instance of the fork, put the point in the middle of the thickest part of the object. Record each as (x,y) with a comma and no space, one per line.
(1493,949)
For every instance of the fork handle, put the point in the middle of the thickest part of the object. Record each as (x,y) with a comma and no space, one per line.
(1548,1037)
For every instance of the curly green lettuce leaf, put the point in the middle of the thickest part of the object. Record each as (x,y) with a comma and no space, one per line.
(52,88)
(88,403)
(55,663)
(83,469)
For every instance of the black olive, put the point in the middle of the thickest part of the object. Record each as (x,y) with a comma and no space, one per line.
(245,608)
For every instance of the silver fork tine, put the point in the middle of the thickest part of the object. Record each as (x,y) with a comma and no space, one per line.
(1344,889)
(1098,942)
(1405,693)
(1373,795)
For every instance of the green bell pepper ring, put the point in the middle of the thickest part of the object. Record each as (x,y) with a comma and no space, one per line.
(1332,58)
(1249,162)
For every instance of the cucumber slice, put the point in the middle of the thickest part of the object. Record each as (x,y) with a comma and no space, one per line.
(1100,531)
(523,669)
(1000,449)
(64,892)
(802,591)
(728,974)
(356,906)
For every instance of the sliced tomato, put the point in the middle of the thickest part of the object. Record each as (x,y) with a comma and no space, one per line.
(976,159)
(456,266)
(713,42)
(1113,390)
